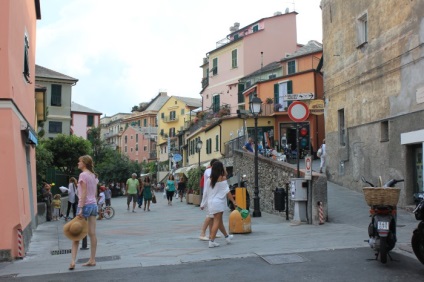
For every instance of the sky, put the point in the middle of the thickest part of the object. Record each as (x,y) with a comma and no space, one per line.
(125,52)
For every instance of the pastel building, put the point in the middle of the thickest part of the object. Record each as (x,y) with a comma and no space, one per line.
(18,118)
(83,119)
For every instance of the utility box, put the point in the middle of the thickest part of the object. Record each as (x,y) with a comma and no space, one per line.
(298,189)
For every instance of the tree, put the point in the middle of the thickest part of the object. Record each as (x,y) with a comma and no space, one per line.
(116,167)
(97,144)
(43,159)
(66,150)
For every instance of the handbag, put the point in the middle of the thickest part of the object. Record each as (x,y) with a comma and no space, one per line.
(319,153)
(153,199)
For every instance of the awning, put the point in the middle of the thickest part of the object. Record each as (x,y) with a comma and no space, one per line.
(185,170)
(32,138)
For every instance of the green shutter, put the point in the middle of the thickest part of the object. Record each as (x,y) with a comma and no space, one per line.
(217,143)
(276,96)
(289,87)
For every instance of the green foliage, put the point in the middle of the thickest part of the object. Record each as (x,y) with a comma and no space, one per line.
(194,176)
(116,167)
(44,159)
(66,150)
(98,145)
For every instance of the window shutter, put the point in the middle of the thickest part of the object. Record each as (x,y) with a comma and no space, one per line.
(276,96)
(217,143)
(289,87)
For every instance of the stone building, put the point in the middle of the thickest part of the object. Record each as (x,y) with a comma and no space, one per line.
(374,92)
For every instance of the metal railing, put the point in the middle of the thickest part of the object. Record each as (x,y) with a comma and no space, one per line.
(234,144)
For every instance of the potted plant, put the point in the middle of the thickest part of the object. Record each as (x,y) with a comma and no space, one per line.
(269,101)
(193,185)
(277,107)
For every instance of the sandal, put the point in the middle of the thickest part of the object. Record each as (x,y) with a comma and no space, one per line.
(89,264)
(72,266)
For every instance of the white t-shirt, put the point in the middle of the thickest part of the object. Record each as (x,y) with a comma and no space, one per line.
(217,196)
(323,150)
(206,176)
(101,198)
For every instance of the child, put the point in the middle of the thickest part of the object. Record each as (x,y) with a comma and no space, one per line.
(56,205)
(100,202)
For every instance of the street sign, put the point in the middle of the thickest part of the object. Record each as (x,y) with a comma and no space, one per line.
(298,111)
(177,158)
(316,107)
(308,166)
(299,96)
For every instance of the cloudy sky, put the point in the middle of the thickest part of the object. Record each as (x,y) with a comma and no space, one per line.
(124,52)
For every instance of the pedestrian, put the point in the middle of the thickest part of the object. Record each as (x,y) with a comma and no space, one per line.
(323,156)
(57,203)
(47,196)
(249,145)
(108,196)
(209,217)
(147,193)
(87,207)
(170,189)
(217,192)
(140,193)
(132,189)
(101,199)
(72,198)
(181,187)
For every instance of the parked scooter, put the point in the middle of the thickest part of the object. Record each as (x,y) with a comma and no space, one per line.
(417,240)
(382,229)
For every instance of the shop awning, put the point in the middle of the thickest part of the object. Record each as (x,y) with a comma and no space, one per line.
(185,170)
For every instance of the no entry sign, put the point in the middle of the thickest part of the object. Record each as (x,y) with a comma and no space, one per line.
(298,111)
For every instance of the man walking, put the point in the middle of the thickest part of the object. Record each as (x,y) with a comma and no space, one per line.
(132,189)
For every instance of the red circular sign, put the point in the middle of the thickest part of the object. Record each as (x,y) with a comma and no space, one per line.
(298,111)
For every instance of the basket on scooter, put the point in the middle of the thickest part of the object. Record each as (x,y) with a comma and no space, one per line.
(381,196)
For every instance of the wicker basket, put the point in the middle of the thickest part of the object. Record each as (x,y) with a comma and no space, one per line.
(381,196)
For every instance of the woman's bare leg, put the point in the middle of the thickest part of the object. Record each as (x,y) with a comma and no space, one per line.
(93,241)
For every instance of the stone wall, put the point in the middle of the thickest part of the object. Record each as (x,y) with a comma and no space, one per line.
(273,174)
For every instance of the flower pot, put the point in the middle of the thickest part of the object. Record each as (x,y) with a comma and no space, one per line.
(196,200)
(190,199)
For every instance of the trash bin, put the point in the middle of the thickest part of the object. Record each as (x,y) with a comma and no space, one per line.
(279,199)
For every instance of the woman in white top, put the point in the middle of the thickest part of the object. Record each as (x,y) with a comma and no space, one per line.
(323,156)
(72,197)
(216,193)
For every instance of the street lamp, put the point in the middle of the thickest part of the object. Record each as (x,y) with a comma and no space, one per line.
(255,109)
(199,148)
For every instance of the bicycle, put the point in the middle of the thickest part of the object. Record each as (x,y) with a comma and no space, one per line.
(108,212)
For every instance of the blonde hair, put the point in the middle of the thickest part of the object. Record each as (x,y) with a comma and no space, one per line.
(57,196)
(73,180)
(88,162)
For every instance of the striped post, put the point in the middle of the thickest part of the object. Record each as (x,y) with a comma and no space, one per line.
(20,244)
(321,213)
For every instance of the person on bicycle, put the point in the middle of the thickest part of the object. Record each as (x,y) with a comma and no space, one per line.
(100,202)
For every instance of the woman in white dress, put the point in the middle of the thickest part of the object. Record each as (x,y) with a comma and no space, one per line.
(215,195)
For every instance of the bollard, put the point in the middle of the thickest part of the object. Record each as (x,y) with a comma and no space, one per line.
(20,244)
(84,244)
(321,213)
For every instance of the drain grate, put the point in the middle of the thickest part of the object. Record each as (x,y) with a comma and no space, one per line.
(60,252)
(100,259)
(282,259)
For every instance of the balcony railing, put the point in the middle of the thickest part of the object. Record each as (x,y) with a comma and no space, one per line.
(234,144)
(169,119)
(205,82)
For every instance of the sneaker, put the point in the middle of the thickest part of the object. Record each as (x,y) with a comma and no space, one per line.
(204,238)
(213,244)
(133,210)
(229,238)
(218,236)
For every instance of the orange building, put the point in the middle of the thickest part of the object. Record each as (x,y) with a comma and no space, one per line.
(295,77)
(18,118)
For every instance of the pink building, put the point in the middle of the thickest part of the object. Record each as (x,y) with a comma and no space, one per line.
(137,142)
(18,118)
(83,119)
(242,52)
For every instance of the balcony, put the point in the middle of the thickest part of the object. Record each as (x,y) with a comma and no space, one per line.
(205,82)
(168,119)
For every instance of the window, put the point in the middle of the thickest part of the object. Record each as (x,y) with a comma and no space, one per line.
(145,148)
(126,139)
(90,120)
(216,143)
(209,146)
(56,99)
(291,67)
(240,93)
(234,58)
(362,29)
(182,111)
(255,28)
(215,66)
(162,115)
(144,122)
(126,150)
(342,128)
(55,127)
(136,147)
(384,131)
(280,92)
(172,115)
(131,150)
(236,36)
(26,59)
(136,138)
(215,103)
(271,76)
(172,132)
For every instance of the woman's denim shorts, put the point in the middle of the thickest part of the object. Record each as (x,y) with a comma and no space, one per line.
(88,210)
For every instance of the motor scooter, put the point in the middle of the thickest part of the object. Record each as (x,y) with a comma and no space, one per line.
(417,240)
(382,228)
(241,183)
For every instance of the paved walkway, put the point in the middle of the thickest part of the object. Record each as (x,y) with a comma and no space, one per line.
(168,235)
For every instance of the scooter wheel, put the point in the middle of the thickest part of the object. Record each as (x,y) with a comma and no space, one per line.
(417,243)
(383,249)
